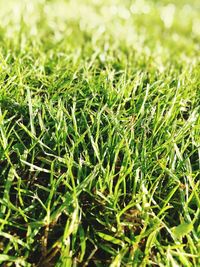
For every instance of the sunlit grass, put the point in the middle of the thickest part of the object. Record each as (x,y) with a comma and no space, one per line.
(99,133)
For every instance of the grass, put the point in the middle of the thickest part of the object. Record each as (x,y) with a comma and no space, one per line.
(99,133)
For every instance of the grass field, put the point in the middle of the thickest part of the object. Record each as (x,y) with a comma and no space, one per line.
(99,133)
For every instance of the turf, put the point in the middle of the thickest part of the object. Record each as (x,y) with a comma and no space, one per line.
(99,133)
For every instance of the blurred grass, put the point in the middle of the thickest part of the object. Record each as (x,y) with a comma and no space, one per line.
(99,133)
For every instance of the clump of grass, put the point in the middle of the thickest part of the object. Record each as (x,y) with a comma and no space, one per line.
(99,133)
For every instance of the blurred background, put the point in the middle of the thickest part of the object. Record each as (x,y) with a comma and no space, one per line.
(161,32)
(134,22)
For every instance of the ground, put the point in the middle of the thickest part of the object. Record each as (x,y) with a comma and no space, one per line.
(99,133)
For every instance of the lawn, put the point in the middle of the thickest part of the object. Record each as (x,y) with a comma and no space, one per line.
(99,133)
